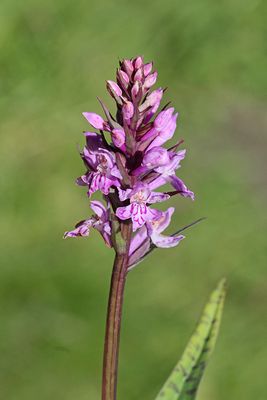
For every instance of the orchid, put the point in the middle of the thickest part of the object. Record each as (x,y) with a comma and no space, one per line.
(138,210)
(126,162)
(102,171)
(99,221)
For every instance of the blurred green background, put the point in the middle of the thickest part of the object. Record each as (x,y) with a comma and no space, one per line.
(54,59)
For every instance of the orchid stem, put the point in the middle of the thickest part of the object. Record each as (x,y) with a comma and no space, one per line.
(113,322)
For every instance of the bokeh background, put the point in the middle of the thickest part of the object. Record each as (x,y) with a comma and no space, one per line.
(54,59)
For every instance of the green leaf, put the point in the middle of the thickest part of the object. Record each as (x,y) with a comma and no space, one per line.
(185,378)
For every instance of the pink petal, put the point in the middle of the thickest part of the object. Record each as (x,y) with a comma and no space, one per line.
(162,221)
(139,214)
(94,119)
(152,100)
(124,212)
(124,194)
(179,185)
(156,197)
(163,118)
(165,241)
(81,229)
(138,239)
(98,208)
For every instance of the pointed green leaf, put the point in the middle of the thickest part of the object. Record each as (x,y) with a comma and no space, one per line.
(185,378)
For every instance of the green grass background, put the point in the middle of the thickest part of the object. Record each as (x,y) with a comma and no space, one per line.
(54,58)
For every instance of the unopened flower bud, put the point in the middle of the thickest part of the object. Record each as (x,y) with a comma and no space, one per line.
(128,110)
(123,77)
(95,120)
(150,80)
(135,89)
(118,137)
(138,76)
(155,157)
(138,62)
(148,68)
(127,66)
(163,118)
(152,99)
(114,88)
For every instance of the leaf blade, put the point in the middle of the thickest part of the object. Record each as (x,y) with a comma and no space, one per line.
(186,376)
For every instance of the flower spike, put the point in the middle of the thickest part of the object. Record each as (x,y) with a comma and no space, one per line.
(129,162)
(126,162)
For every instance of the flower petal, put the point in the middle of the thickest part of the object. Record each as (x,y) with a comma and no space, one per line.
(124,212)
(165,241)
(98,209)
(94,119)
(81,229)
(162,221)
(138,240)
(156,197)
(155,157)
(179,185)
(139,214)
(124,194)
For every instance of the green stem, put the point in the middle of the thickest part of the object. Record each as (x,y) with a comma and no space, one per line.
(113,323)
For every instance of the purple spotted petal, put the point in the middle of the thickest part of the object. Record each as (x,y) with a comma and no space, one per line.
(99,209)
(81,229)
(124,212)
(139,213)
(156,197)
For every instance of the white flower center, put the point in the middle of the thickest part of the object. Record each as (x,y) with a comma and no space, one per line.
(139,197)
(103,165)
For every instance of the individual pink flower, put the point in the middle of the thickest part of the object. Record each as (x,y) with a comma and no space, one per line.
(165,163)
(156,226)
(151,235)
(138,210)
(102,169)
(99,221)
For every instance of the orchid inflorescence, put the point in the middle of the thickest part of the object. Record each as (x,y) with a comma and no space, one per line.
(131,163)
(125,160)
